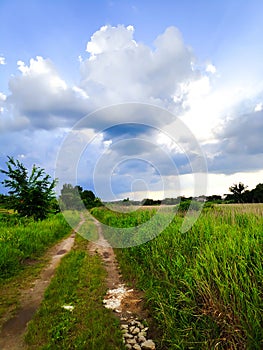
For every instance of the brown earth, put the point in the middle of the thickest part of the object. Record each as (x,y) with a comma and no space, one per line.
(132,301)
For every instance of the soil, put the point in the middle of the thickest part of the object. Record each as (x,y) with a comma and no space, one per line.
(131,306)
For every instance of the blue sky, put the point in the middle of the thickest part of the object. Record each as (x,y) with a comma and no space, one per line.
(197,61)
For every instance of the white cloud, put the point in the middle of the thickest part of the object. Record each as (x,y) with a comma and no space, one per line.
(41,98)
(2,97)
(110,38)
(258,107)
(2,60)
(40,67)
(120,69)
(210,68)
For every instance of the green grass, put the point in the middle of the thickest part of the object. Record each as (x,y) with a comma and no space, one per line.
(204,287)
(88,230)
(23,243)
(22,239)
(79,282)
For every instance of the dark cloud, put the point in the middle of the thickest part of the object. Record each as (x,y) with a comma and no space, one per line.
(240,145)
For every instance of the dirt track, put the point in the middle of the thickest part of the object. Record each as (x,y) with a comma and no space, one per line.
(11,335)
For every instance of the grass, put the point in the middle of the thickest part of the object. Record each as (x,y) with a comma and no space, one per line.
(88,230)
(23,243)
(204,286)
(10,289)
(79,282)
(22,240)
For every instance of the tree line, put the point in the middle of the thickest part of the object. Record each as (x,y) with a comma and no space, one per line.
(32,194)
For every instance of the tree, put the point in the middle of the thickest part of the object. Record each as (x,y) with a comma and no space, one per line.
(237,191)
(257,194)
(74,198)
(70,197)
(30,195)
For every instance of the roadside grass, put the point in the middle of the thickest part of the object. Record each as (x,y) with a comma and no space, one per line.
(10,289)
(23,245)
(80,283)
(204,286)
(23,240)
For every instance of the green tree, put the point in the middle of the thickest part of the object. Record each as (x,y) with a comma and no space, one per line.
(75,198)
(70,197)
(257,194)
(30,194)
(237,191)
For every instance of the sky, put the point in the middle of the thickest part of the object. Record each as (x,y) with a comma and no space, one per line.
(134,98)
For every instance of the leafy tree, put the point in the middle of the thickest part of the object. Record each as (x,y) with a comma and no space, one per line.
(30,195)
(257,194)
(74,198)
(70,197)
(214,198)
(88,198)
(237,190)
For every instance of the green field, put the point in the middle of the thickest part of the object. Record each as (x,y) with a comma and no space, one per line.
(204,286)
(23,240)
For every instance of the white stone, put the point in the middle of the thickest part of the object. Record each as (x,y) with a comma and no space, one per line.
(136,347)
(148,345)
(142,334)
(131,341)
(136,330)
(127,335)
(141,339)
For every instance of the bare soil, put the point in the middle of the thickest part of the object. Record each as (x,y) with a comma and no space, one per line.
(132,306)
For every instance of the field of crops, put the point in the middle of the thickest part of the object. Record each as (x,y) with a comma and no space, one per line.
(204,286)
(22,239)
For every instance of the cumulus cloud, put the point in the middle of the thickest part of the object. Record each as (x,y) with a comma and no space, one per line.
(120,69)
(41,98)
(109,39)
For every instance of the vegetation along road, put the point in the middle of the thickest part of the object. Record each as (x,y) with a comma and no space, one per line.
(200,289)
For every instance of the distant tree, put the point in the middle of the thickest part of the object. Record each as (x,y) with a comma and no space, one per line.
(74,198)
(88,198)
(257,194)
(30,195)
(214,198)
(237,190)
(70,197)
(149,201)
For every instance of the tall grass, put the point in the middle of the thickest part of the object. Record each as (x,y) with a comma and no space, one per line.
(204,286)
(24,239)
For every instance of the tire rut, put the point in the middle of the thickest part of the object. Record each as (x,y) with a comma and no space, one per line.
(131,300)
